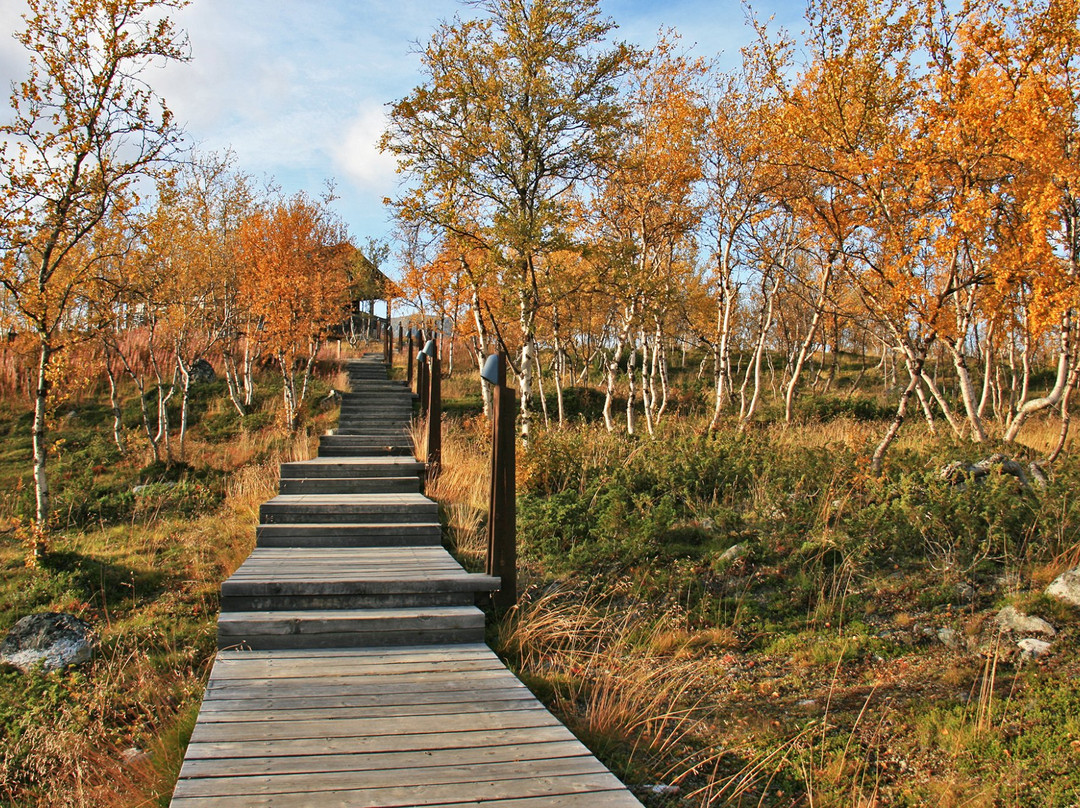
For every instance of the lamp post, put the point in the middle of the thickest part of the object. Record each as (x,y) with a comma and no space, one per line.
(409,377)
(502,515)
(434,408)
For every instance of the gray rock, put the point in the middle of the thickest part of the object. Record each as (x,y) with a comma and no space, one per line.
(949,637)
(138,489)
(50,639)
(958,473)
(965,592)
(202,372)
(1034,648)
(1011,620)
(1066,587)
(734,553)
(660,790)
(134,756)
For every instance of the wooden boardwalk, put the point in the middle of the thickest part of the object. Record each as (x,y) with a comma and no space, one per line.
(352,669)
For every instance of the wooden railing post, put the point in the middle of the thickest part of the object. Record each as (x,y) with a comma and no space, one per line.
(434,411)
(422,377)
(502,514)
(409,378)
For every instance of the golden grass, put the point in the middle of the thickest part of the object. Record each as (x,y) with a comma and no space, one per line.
(462,485)
(611,686)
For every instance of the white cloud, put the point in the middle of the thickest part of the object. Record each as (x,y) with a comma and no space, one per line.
(296,88)
(13,57)
(358,155)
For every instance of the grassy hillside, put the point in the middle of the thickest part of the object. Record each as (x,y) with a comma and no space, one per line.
(139,551)
(756,620)
(751,618)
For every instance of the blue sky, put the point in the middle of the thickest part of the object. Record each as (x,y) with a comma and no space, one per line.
(298,88)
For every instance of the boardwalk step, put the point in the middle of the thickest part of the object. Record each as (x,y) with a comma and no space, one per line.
(315,534)
(321,578)
(360,430)
(333,628)
(349,600)
(358,467)
(325,508)
(377,407)
(371,409)
(397,425)
(361,441)
(349,485)
(345,451)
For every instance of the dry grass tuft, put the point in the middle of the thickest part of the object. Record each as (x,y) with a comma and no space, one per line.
(462,486)
(611,684)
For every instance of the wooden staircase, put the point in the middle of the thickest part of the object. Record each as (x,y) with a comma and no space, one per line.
(348,554)
(351,668)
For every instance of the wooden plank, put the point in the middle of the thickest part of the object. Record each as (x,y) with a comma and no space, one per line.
(366,655)
(314,783)
(477,791)
(475,756)
(442,711)
(260,669)
(418,700)
(361,678)
(262,748)
(339,686)
(371,727)
(594,799)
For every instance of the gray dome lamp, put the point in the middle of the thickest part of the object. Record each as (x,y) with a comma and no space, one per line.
(492,370)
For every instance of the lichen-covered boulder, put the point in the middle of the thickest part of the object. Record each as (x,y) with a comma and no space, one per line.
(52,640)
(202,372)
(1066,587)
(1012,620)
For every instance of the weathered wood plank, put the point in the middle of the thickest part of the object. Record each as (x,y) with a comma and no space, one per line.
(315,783)
(442,711)
(358,655)
(476,791)
(594,799)
(292,678)
(340,686)
(431,741)
(261,669)
(473,756)
(354,727)
(414,700)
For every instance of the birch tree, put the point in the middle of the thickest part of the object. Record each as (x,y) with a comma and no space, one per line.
(516,108)
(86,125)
